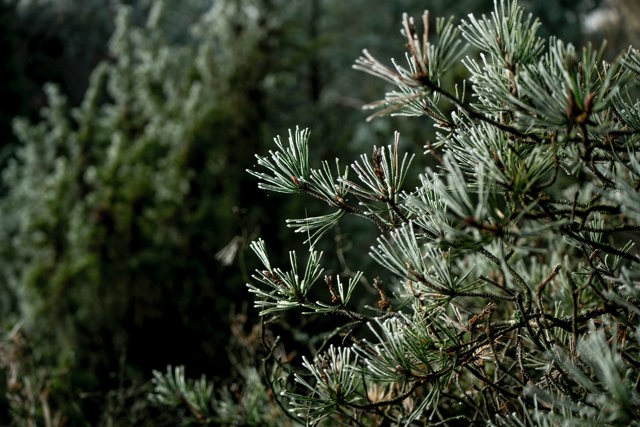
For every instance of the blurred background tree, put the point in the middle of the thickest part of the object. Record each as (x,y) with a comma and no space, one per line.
(124,205)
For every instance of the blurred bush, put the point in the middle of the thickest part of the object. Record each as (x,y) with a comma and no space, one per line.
(116,208)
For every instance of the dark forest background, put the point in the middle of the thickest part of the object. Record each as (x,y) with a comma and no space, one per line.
(125,209)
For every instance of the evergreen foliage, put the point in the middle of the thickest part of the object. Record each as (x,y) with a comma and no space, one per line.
(508,288)
(124,220)
(112,217)
(117,207)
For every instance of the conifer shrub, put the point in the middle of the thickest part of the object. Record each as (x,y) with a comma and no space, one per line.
(114,211)
(507,285)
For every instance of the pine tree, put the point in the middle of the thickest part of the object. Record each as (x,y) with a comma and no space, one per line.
(508,285)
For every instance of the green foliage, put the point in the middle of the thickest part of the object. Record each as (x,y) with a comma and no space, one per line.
(117,201)
(111,221)
(198,404)
(511,267)
(173,390)
(244,399)
(125,206)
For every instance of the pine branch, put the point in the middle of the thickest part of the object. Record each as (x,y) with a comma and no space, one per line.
(535,189)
